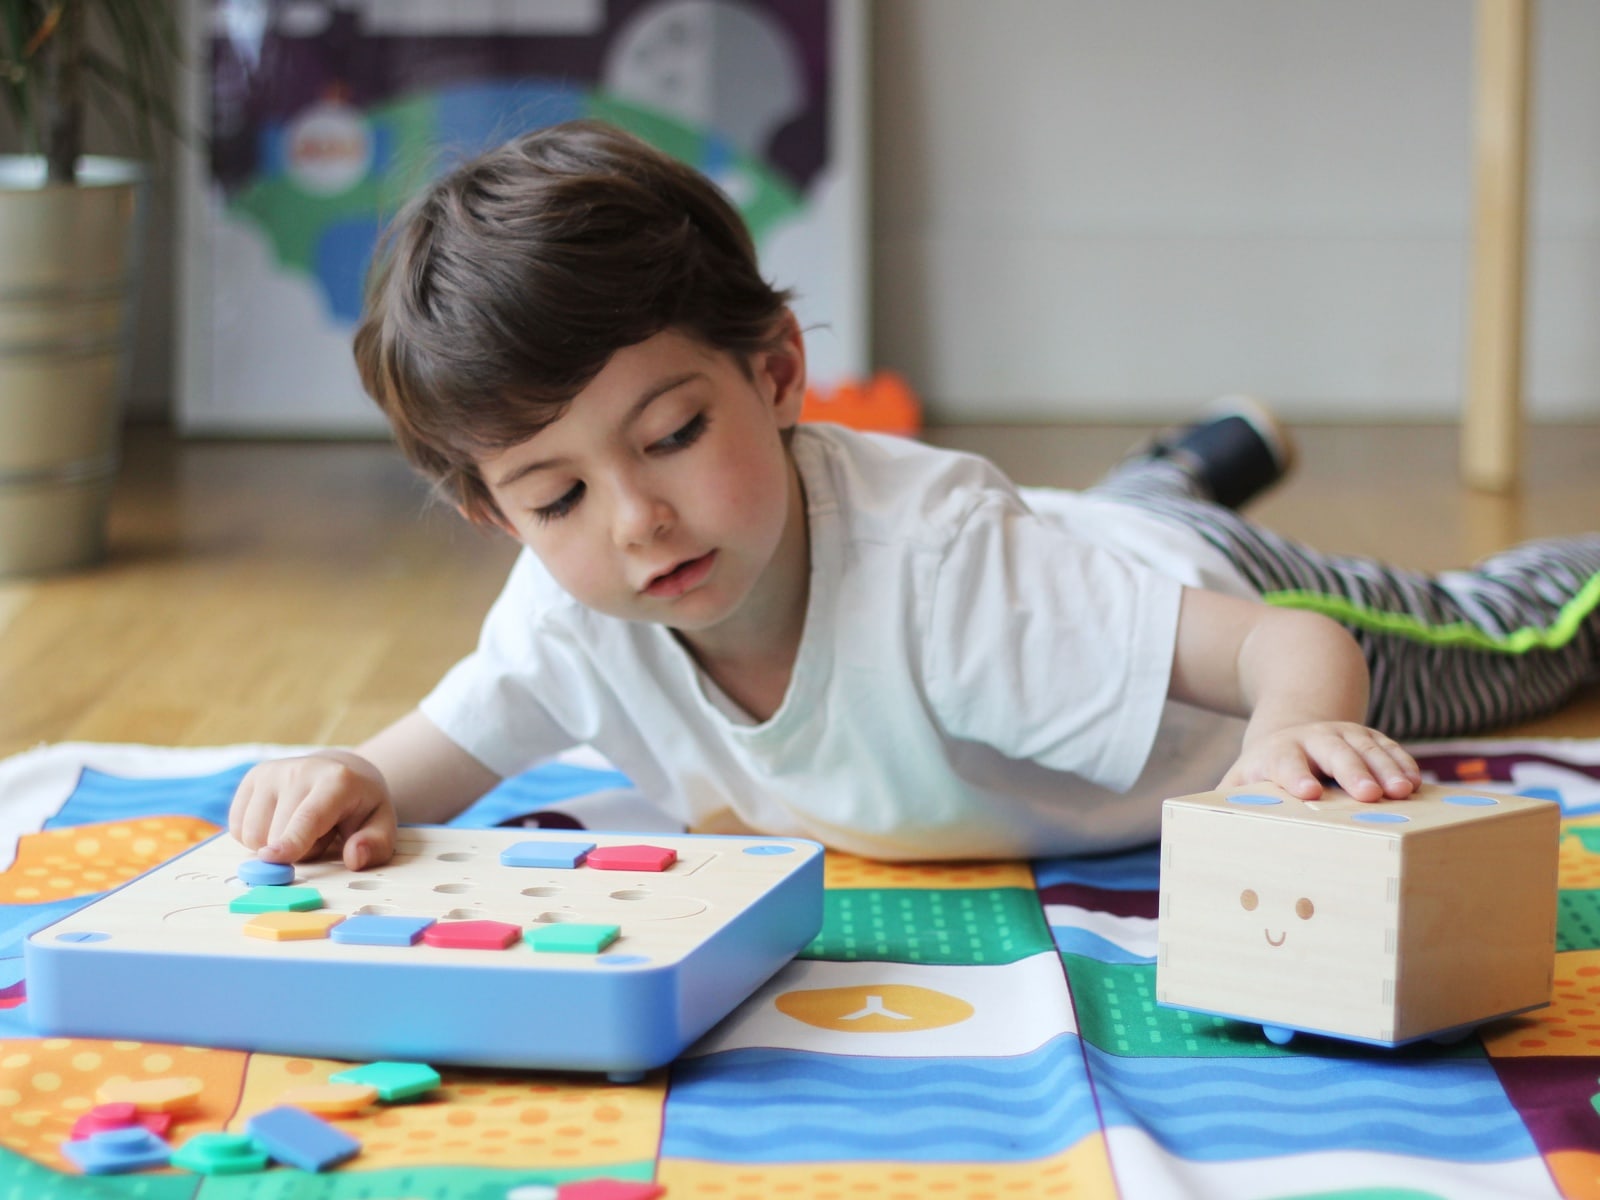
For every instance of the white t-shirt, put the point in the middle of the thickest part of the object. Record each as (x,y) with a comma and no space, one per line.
(982,673)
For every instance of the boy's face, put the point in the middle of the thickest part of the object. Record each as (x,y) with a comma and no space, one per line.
(664,492)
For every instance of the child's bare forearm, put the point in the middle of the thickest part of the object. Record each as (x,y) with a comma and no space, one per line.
(430,778)
(1302,682)
(1296,668)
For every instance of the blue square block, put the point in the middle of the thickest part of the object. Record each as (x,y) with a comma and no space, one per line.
(301,1139)
(112,1151)
(370,929)
(557,855)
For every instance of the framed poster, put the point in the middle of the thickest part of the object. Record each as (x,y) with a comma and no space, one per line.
(324,116)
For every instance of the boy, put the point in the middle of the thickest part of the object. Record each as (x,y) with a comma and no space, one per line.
(806,631)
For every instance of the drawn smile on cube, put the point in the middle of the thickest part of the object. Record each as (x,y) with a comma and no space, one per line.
(1303,908)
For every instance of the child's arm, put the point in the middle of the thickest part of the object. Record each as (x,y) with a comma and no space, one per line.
(1302,681)
(295,808)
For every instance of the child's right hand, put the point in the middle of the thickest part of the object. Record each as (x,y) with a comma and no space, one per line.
(333,801)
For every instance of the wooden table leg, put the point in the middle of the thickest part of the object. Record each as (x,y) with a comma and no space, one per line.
(1491,433)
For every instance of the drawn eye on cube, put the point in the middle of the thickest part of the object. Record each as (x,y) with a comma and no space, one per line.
(1383,923)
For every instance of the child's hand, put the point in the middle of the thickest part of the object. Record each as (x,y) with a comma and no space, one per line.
(1365,763)
(295,808)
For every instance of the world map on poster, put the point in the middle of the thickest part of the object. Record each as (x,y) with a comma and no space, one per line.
(325,116)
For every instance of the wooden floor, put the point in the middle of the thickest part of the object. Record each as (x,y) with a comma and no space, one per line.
(307,593)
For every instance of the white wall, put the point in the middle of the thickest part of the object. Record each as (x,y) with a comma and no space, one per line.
(1098,208)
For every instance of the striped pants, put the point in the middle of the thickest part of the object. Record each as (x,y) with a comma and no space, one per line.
(1450,654)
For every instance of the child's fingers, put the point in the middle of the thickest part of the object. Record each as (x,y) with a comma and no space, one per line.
(255,820)
(369,842)
(299,831)
(1348,767)
(240,806)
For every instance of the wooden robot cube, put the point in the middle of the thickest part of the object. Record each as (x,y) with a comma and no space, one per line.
(1382,923)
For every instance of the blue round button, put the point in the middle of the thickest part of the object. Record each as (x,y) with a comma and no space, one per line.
(1382,818)
(769,849)
(1254,800)
(1472,801)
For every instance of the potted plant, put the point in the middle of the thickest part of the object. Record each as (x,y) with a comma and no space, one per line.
(69,237)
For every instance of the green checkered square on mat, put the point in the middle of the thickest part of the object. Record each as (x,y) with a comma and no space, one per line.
(1578,919)
(1118,1013)
(945,926)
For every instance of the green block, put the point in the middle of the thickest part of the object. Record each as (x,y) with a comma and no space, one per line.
(220,1154)
(945,926)
(1578,919)
(276,899)
(563,937)
(394,1080)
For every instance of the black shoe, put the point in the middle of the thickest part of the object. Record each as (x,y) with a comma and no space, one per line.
(1237,450)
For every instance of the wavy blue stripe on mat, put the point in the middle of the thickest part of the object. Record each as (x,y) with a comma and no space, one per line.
(101,797)
(1070,939)
(1221,1110)
(776,1106)
(1133,871)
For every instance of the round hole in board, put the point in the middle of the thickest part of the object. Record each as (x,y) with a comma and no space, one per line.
(465,914)
(541,891)
(631,894)
(375,910)
(364,885)
(457,856)
(555,918)
(453,889)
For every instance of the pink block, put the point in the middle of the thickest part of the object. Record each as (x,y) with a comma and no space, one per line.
(609,1189)
(472,935)
(119,1115)
(631,858)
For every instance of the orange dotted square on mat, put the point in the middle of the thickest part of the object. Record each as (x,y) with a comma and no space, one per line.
(1569,1027)
(483,1118)
(847,871)
(1577,866)
(47,1084)
(84,859)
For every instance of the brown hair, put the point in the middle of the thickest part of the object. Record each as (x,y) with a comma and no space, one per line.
(507,285)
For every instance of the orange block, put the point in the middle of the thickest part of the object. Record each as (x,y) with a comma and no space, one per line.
(292,926)
(153,1095)
(332,1099)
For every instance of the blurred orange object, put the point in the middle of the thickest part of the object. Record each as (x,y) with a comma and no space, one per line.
(883,404)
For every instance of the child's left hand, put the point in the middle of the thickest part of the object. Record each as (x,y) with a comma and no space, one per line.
(1369,765)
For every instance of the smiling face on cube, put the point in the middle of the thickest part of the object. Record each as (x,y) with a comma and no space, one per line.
(1278,921)
(1304,909)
